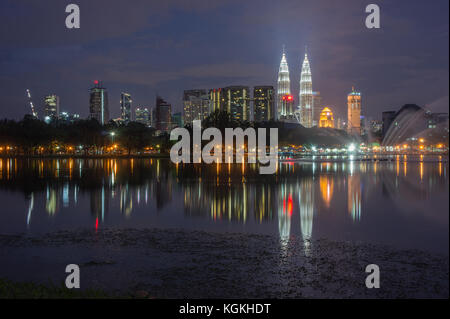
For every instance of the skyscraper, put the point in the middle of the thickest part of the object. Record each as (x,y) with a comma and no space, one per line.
(317,108)
(51,106)
(125,107)
(142,115)
(287,103)
(197,105)
(304,113)
(177,120)
(263,105)
(237,102)
(216,98)
(163,114)
(354,112)
(283,89)
(98,104)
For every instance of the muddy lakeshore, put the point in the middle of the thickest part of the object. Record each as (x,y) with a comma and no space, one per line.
(195,264)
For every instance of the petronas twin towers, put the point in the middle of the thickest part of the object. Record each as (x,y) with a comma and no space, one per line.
(304,112)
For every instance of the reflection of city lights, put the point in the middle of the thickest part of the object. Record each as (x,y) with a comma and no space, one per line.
(290,205)
(421,170)
(326,189)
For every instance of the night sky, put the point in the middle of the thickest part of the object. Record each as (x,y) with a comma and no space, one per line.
(164,47)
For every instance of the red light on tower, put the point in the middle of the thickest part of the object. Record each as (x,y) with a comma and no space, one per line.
(95,82)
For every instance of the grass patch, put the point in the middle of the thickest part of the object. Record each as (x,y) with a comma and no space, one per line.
(30,290)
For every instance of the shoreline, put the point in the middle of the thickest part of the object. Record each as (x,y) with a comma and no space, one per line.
(174,263)
(68,156)
(282,158)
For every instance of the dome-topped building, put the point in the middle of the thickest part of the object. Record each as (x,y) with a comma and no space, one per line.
(326,118)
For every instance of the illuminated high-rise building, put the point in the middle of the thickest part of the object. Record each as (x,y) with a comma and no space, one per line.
(51,105)
(177,120)
(304,113)
(317,108)
(163,114)
(263,103)
(125,107)
(216,98)
(283,89)
(326,118)
(237,102)
(98,104)
(143,115)
(354,112)
(196,105)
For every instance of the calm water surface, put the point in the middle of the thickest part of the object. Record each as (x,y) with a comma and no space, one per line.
(403,203)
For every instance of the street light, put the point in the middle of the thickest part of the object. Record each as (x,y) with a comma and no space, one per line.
(112,136)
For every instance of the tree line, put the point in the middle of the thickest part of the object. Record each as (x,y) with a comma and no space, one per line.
(31,136)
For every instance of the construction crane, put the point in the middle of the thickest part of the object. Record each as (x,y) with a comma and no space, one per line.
(33,111)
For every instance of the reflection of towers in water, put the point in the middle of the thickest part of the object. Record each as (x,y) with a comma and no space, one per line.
(354,196)
(326,189)
(99,202)
(306,203)
(221,201)
(264,199)
(285,208)
(30,209)
(51,200)
(126,200)
(163,192)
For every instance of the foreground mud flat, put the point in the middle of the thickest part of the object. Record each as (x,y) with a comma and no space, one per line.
(194,264)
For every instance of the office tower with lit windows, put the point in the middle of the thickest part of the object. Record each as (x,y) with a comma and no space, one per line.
(196,105)
(263,103)
(163,115)
(317,108)
(354,113)
(125,107)
(340,124)
(66,117)
(237,102)
(177,120)
(142,115)
(326,118)
(216,98)
(98,104)
(287,103)
(283,90)
(304,113)
(51,106)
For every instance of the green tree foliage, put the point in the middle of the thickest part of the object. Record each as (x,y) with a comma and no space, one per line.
(30,134)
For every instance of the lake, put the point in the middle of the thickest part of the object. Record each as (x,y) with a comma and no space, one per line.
(401,203)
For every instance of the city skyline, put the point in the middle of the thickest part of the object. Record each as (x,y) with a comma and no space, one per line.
(388,69)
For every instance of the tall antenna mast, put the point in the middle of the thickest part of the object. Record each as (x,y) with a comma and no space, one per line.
(33,111)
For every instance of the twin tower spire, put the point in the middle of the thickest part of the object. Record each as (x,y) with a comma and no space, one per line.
(304,112)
